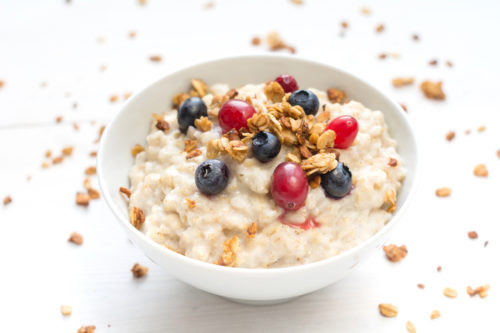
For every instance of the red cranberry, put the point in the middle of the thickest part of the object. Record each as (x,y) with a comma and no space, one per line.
(346,128)
(289,186)
(287,82)
(234,114)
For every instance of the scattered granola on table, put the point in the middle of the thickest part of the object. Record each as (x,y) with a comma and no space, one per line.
(76,238)
(275,43)
(435,314)
(433,90)
(472,234)
(443,192)
(402,81)
(450,135)
(450,292)
(388,310)
(482,291)
(86,329)
(7,200)
(480,170)
(66,310)
(139,271)
(395,253)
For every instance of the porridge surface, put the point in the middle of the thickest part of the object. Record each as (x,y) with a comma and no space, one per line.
(181,218)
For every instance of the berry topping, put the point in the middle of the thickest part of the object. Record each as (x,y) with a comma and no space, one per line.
(346,129)
(234,114)
(211,177)
(309,223)
(306,99)
(287,82)
(265,146)
(190,110)
(338,182)
(289,186)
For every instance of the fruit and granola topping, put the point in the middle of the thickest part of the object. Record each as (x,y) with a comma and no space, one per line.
(258,177)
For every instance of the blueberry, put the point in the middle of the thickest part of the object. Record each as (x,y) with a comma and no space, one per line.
(306,99)
(191,109)
(211,177)
(338,182)
(265,146)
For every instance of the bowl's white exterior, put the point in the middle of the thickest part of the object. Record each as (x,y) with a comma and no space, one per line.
(131,126)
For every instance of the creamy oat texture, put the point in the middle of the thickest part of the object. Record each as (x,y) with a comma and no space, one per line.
(162,179)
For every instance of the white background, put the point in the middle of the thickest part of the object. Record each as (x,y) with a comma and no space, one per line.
(52,42)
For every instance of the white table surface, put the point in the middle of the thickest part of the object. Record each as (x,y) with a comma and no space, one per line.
(50,41)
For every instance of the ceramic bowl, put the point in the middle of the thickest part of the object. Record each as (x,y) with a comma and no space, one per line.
(131,126)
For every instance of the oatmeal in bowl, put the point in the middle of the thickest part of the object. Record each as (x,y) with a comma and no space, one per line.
(264,175)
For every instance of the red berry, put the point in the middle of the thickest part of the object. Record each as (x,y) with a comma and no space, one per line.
(289,186)
(346,128)
(287,82)
(234,114)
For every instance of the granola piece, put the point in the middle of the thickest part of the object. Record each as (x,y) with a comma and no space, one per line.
(275,43)
(232,135)
(395,253)
(91,170)
(237,150)
(214,148)
(435,314)
(365,11)
(189,145)
(2,83)
(390,201)
(162,125)
(293,158)
(190,203)
(137,217)
(297,2)
(439,268)
(193,154)
(402,81)
(410,327)
(179,98)
(302,132)
(76,238)
(481,128)
(67,151)
(126,191)
(392,162)
(344,24)
(433,90)
(415,37)
(323,117)
(136,150)
(252,230)
(230,249)
(480,170)
(326,139)
(203,124)
(305,152)
(472,234)
(113,98)
(482,291)
(315,181)
(498,153)
(139,271)
(450,135)
(380,28)
(57,160)
(7,200)
(319,163)
(255,41)
(336,95)
(155,58)
(382,56)
(388,310)
(86,329)
(450,292)
(433,62)
(48,153)
(443,192)
(93,193)
(230,94)
(45,165)
(82,199)
(59,119)
(421,286)
(200,87)
(274,92)
(404,107)
(66,310)
(87,183)
(99,133)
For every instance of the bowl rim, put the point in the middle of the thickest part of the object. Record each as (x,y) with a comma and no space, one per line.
(246,270)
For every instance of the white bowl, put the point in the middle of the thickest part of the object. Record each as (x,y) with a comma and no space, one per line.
(131,125)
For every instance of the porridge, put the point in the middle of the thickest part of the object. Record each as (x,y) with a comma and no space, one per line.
(265,175)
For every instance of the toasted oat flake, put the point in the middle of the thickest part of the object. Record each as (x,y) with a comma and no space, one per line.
(91,170)
(136,150)
(344,24)
(275,43)
(326,139)
(480,170)
(82,199)
(315,181)
(203,124)
(76,238)
(395,253)
(200,87)
(67,151)
(113,98)
(450,292)
(392,162)
(57,160)
(179,98)
(155,58)
(482,291)
(336,95)
(274,92)
(252,230)
(256,41)
(48,153)
(402,81)
(388,310)
(435,314)
(433,62)
(421,286)
(86,329)
(229,254)
(450,135)
(190,203)
(59,119)
(390,201)
(139,271)
(45,165)
(87,183)
(365,11)
(380,28)
(319,163)
(66,310)
(7,200)
(410,327)
(293,158)
(481,128)
(126,191)
(189,145)
(193,154)
(99,133)
(443,192)
(137,217)
(472,234)
(433,90)
(93,193)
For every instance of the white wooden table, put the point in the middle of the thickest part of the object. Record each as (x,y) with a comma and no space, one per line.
(50,59)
